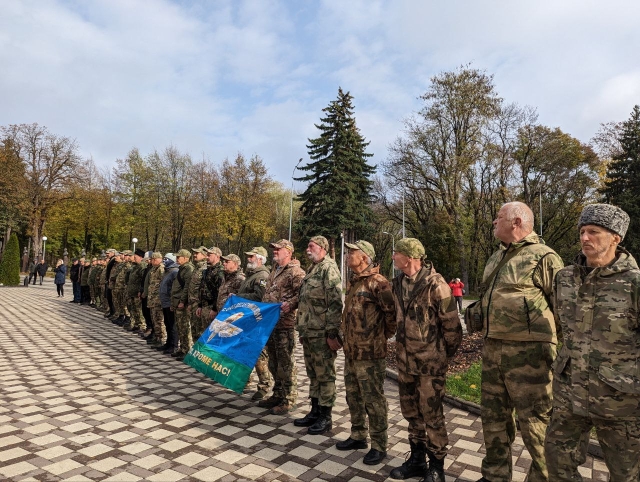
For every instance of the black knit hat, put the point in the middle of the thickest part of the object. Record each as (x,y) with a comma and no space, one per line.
(139,252)
(607,216)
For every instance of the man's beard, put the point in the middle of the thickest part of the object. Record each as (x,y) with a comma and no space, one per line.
(251,265)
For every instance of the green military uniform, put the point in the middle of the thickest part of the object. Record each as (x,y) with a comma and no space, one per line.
(212,279)
(231,284)
(120,289)
(134,302)
(368,320)
(519,349)
(153,302)
(197,323)
(93,271)
(253,288)
(102,288)
(180,295)
(319,316)
(597,372)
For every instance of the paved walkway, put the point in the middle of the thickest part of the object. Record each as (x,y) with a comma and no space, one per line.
(81,399)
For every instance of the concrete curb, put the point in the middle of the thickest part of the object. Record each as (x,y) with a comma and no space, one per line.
(593,449)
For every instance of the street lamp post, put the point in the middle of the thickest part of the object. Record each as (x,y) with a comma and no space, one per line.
(291,209)
(134,241)
(393,248)
(44,246)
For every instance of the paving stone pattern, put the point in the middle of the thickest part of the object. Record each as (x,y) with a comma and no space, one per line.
(81,399)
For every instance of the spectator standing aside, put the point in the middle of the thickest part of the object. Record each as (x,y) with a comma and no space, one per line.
(520,344)
(319,319)
(212,279)
(41,268)
(457,288)
(253,288)
(200,262)
(368,320)
(59,279)
(428,335)
(74,273)
(179,299)
(155,304)
(32,272)
(597,373)
(283,286)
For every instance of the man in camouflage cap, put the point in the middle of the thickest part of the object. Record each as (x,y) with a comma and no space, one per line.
(428,335)
(179,301)
(233,278)
(283,286)
(200,262)
(153,301)
(212,279)
(319,318)
(520,343)
(368,320)
(597,372)
(135,279)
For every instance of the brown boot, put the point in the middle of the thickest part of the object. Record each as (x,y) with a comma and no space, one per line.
(282,409)
(270,402)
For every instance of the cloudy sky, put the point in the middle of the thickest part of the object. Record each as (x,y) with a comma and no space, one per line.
(218,77)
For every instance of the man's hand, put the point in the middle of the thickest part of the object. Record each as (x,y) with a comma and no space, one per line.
(334,344)
(181,306)
(285,307)
(212,314)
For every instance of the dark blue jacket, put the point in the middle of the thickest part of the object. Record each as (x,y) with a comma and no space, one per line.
(170,272)
(61,272)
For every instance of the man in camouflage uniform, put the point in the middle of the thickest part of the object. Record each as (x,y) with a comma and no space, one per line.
(233,278)
(104,304)
(97,288)
(428,335)
(179,301)
(200,262)
(520,344)
(212,279)
(597,372)
(112,260)
(120,288)
(92,281)
(319,318)
(134,291)
(368,320)
(253,288)
(116,266)
(153,301)
(283,286)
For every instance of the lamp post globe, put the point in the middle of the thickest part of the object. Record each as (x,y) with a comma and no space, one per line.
(134,241)
(44,246)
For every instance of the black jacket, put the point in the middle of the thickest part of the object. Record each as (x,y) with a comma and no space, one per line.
(74,272)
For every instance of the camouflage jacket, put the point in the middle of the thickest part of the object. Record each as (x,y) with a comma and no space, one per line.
(145,280)
(180,286)
(212,279)
(429,330)
(598,367)
(117,266)
(517,305)
(193,295)
(155,277)
(232,282)
(92,275)
(369,316)
(84,279)
(253,287)
(134,285)
(103,275)
(320,302)
(96,273)
(121,276)
(283,284)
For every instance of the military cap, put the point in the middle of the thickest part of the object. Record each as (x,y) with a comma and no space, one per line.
(148,255)
(110,250)
(201,250)
(170,256)
(365,246)
(214,250)
(607,216)
(321,241)
(283,243)
(232,257)
(183,252)
(257,250)
(157,255)
(139,252)
(127,252)
(410,247)
(102,256)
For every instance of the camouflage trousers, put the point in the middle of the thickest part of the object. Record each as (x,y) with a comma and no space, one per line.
(120,302)
(92,292)
(516,376)
(135,310)
(97,296)
(320,363)
(183,326)
(195,323)
(364,385)
(282,364)
(421,406)
(262,370)
(568,438)
(205,318)
(159,330)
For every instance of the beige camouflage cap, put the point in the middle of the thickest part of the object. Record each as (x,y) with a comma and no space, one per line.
(156,255)
(321,241)
(127,252)
(257,250)
(365,246)
(183,252)
(410,247)
(283,243)
(201,250)
(232,257)
(214,250)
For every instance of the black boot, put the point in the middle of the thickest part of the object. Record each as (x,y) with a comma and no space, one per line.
(310,418)
(120,321)
(323,422)
(435,472)
(415,466)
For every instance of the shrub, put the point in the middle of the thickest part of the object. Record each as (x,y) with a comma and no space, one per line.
(10,264)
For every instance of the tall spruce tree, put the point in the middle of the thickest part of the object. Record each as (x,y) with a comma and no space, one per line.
(622,186)
(10,264)
(338,197)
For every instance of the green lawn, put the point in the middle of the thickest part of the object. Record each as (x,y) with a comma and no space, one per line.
(466,385)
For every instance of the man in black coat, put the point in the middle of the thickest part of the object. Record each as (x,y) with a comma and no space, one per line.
(41,268)
(74,275)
